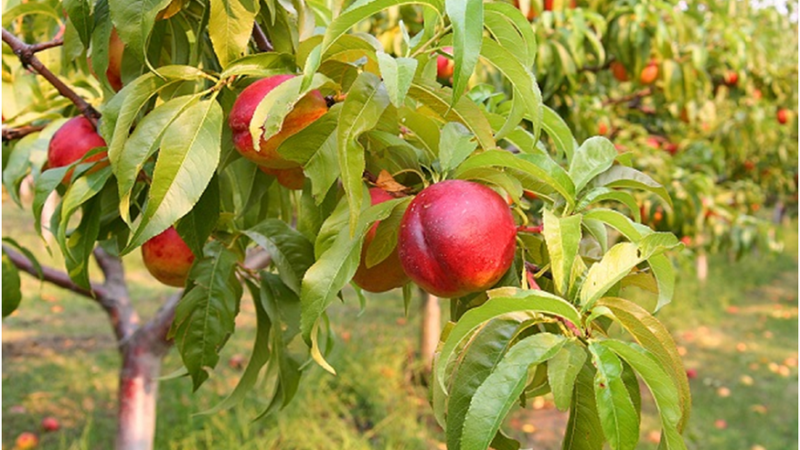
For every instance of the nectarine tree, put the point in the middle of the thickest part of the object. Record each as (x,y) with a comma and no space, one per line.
(507,208)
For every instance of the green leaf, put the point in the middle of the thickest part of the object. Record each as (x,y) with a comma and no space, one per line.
(466,18)
(12,294)
(260,65)
(563,237)
(502,301)
(626,177)
(364,9)
(464,110)
(291,252)
(397,74)
(28,254)
(455,145)
(614,405)
(511,15)
(45,185)
(540,167)
(336,266)
(654,337)
(122,110)
(142,144)
(385,240)
(283,307)
(366,100)
(258,357)
(559,132)
(521,78)
(196,227)
(593,157)
(80,244)
(80,14)
(603,194)
(619,261)
(272,110)
(660,386)
(477,360)
(230,26)
(134,20)
(204,317)
(659,264)
(495,397)
(584,431)
(562,371)
(186,162)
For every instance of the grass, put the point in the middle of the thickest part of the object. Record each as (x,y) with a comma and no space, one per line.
(738,331)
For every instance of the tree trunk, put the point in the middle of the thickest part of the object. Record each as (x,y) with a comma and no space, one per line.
(702,266)
(430,329)
(138,392)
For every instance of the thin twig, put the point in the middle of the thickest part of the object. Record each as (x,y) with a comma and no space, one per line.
(27,55)
(262,42)
(629,97)
(601,68)
(10,134)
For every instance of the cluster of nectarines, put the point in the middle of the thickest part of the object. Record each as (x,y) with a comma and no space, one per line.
(457,237)
(648,75)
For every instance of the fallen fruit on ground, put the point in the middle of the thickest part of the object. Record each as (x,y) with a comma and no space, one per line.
(387,274)
(168,258)
(457,237)
(27,441)
(50,424)
(71,142)
(307,110)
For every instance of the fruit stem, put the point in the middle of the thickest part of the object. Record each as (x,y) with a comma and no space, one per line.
(537,229)
(435,38)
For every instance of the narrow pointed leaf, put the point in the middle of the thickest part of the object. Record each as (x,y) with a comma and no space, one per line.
(495,397)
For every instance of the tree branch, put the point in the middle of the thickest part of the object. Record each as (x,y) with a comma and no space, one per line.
(154,332)
(10,134)
(262,42)
(596,69)
(27,55)
(53,276)
(629,97)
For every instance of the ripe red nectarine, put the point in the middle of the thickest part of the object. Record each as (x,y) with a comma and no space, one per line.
(619,72)
(649,73)
(445,65)
(168,258)
(27,441)
(387,274)
(457,237)
(50,424)
(73,140)
(782,116)
(307,110)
